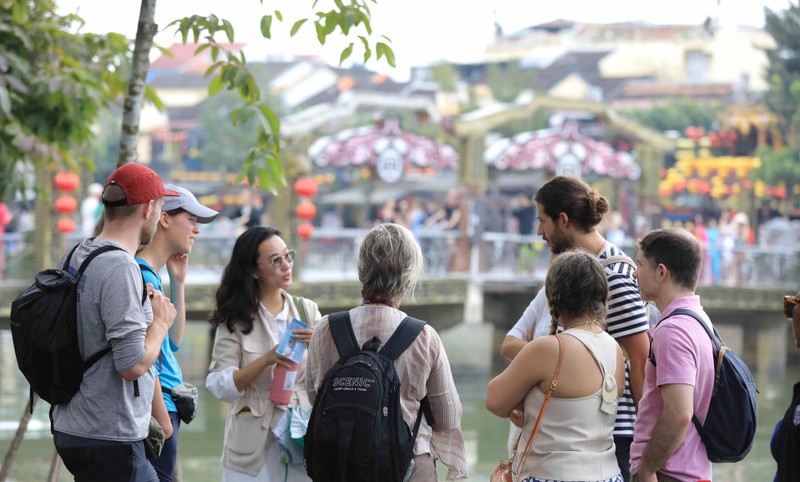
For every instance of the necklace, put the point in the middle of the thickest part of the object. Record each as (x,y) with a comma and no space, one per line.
(378,301)
(587,322)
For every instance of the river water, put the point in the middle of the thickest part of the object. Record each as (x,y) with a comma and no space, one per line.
(472,350)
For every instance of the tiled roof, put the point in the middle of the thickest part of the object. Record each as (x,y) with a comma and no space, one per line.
(651,89)
(183,58)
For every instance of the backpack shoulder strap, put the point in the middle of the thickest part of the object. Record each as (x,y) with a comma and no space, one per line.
(65,266)
(299,303)
(97,252)
(620,258)
(342,332)
(712,332)
(403,336)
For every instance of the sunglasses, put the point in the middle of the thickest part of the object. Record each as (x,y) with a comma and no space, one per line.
(277,261)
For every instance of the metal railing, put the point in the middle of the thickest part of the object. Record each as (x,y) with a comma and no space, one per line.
(331,254)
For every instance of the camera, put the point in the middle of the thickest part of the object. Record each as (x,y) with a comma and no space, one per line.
(789,303)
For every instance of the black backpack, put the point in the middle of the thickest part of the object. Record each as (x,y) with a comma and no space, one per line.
(786,442)
(730,426)
(356,432)
(45,335)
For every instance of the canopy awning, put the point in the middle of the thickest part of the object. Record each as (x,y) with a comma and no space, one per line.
(562,150)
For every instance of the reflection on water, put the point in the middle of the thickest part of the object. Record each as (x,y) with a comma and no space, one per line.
(201,441)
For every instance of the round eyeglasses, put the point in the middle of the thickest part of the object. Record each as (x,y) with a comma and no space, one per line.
(277,261)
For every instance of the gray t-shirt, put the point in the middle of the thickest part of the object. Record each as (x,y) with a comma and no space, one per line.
(110,312)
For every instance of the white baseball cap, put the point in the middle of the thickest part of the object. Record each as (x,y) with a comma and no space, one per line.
(186,201)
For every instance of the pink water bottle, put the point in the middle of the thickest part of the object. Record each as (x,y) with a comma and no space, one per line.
(282,383)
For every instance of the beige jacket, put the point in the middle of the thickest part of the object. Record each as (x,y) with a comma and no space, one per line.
(252,416)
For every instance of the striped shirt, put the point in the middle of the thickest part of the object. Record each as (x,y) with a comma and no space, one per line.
(626,316)
(423,370)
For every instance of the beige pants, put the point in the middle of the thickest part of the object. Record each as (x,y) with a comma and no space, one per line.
(426,469)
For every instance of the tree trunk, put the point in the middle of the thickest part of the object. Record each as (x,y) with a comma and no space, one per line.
(17,440)
(134,99)
(43,234)
(55,467)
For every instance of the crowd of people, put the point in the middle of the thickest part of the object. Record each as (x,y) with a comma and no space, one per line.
(585,398)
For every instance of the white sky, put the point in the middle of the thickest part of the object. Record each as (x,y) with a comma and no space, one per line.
(421,31)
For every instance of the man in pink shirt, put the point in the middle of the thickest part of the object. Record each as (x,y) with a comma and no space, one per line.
(679,374)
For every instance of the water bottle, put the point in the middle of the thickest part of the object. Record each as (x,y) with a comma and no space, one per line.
(283,379)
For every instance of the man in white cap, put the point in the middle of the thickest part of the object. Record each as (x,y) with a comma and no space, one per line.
(170,247)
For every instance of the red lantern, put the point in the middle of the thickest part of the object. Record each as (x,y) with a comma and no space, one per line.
(65,204)
(305,187)
(305,230)
(65,225)
(306,210)
(67,181)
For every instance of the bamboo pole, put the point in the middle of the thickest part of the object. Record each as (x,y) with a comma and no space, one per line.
(5,470)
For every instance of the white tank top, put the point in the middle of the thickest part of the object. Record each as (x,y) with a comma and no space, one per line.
(575,440)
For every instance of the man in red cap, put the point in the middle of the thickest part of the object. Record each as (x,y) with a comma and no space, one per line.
(99,433)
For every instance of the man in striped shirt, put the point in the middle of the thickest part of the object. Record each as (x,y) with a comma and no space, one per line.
(568,211)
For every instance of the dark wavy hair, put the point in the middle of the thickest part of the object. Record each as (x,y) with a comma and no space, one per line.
(568,194)
(237,295)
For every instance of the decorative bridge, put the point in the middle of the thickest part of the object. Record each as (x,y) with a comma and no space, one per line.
(491,278)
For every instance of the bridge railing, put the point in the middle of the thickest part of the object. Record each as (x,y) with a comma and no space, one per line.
(331,254)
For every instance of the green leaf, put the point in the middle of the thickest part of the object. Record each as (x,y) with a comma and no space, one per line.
(272,118)
(387,51)
(151,95)
(265,179)
(346,53)
(244,114)
(320,32)
(279,15)
(266,25)
(228,28)
(297,26)
(5,102)
(216,85)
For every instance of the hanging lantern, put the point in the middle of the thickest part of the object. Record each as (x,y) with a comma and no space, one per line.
(305,230)
(65,225)
(305,187)
(65,204)
(67,181)
(306,210)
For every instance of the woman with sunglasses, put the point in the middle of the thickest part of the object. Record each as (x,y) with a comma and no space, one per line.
(251,315)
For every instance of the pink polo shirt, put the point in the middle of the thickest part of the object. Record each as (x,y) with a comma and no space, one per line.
(684,354)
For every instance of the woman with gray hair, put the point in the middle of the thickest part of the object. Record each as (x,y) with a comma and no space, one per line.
(390,263)
(574,439)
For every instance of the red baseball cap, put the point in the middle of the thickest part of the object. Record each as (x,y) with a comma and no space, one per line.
(139,183)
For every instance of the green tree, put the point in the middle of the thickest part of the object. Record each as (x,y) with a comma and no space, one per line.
(445,75)
(508,81)
(224,145)
(783,70)
(53,84)
(677,114)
